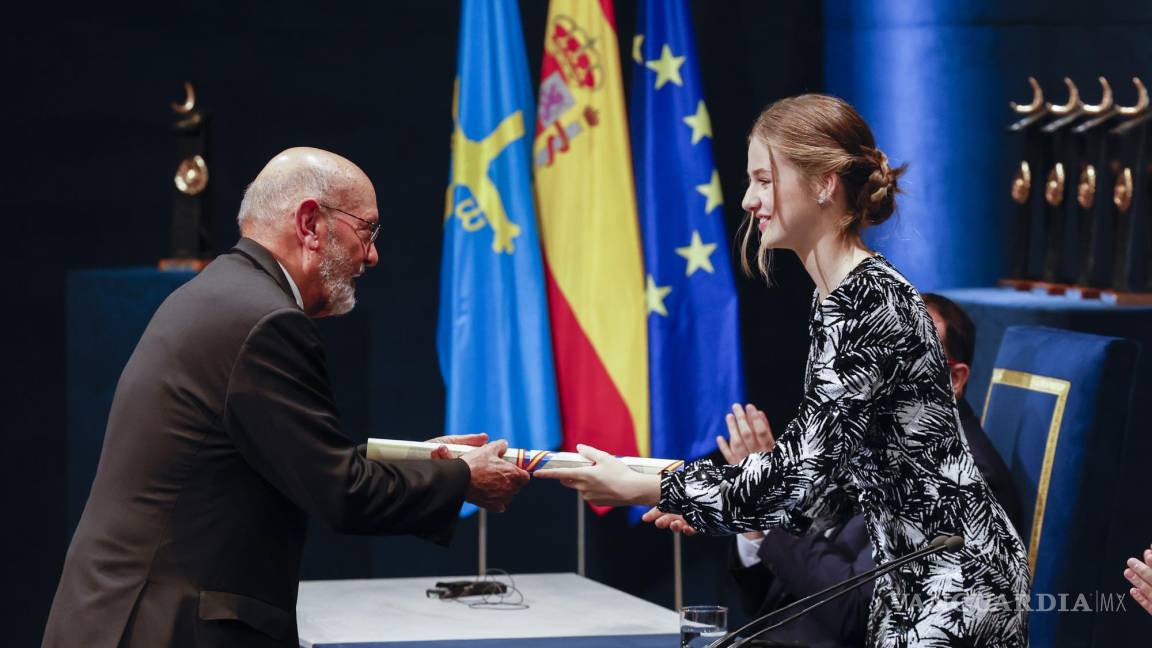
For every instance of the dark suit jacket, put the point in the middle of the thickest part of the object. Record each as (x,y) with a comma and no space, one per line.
(793,567)
(222,439)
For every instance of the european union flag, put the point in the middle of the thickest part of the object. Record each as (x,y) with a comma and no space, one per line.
(693,318)
(494,337)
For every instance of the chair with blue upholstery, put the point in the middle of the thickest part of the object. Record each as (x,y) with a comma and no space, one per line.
(1057,410)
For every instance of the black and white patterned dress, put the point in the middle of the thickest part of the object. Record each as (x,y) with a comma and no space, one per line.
(878,431)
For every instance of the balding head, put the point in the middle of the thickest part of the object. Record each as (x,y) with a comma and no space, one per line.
(294,175)
(316,213)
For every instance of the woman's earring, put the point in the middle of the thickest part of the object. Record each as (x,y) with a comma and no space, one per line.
(822,198)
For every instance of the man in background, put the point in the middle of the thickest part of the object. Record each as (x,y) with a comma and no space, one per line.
(223,437)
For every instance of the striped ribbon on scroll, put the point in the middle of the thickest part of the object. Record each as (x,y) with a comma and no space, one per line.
(530,460)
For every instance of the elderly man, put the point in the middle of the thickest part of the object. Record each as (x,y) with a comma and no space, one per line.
(224,437)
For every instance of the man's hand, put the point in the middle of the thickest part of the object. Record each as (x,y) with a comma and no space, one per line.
(748,432)
(442,452)
(494,481)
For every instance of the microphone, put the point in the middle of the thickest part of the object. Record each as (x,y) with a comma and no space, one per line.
(765,623)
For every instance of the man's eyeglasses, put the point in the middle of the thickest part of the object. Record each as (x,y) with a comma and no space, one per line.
(373,227)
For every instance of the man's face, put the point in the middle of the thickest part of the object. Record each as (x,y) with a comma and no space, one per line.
(941,327)
(348,250)
(957,371)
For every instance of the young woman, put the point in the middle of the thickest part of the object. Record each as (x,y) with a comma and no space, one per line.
(877,430)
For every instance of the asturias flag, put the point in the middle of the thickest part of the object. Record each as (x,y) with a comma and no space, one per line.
(693,319)
(494,335)
(591,237)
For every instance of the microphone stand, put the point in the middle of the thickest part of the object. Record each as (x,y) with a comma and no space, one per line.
(761,625)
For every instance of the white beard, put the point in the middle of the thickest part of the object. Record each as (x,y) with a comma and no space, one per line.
(337,269)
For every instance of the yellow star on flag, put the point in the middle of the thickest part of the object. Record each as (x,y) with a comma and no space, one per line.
(711,191)
(667,67)
(697,253)
(700,122)
(637,43)
(655,295)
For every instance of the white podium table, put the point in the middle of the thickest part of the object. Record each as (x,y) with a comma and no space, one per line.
(564,610)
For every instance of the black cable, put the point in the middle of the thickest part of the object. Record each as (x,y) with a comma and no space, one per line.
(511,598)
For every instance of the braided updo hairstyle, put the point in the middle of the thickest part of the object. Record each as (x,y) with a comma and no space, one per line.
(821,135)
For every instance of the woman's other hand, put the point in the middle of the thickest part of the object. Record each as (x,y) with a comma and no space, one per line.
(748,432)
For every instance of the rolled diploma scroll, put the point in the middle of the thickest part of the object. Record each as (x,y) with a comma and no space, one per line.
(530,460)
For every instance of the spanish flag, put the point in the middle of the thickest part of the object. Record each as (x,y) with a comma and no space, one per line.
(592,254)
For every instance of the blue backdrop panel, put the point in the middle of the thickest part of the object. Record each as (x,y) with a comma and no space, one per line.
(993,310)
(934,79)
(107,312)
(1063,438)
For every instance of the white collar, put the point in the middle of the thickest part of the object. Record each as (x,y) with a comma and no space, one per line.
(292,285)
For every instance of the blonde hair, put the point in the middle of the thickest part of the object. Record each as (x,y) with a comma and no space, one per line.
(821,135)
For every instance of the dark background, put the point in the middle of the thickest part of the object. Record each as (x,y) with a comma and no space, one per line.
(87,184)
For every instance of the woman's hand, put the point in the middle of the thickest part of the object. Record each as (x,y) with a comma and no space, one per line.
(672,521)
(608,482)
(1139,573)
(748,432)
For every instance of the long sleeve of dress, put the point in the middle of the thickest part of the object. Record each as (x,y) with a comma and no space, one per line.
(851,366)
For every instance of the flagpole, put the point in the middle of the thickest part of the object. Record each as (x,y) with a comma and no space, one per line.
(580,566)
(483,542)
(677,575)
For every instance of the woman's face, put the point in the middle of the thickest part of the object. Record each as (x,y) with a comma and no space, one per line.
(778,198)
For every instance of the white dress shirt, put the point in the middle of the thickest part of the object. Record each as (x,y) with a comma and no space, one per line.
(748,550)
(295,290)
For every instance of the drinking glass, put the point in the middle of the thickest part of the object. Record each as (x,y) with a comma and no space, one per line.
(702,625)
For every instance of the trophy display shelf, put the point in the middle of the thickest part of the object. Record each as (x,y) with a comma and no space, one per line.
(1072,291)
(994,310)
(1121,298)
(1039,287)
(182,265)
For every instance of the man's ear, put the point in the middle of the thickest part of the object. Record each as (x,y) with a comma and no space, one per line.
(960,373)
(307,222)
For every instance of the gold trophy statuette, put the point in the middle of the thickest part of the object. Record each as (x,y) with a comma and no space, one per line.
(1122,191)
(1054,189)
(1022,183)
(1086,188)
(191,175)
